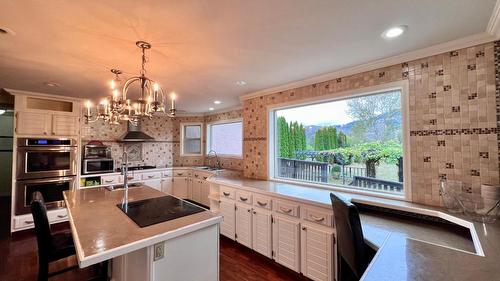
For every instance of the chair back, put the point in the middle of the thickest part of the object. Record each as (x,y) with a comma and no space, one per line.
(42,226)
(350,240)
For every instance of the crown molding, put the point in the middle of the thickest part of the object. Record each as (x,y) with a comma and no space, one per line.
(29,93)
(465,42)
(493,27)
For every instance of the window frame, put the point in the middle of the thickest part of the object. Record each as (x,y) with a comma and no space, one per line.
(182,128)
(402,86)
(219,122)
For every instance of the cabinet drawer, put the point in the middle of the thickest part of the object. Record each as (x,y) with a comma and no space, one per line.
(317,215)
(167,174)
(200,175)
(180,173)
(244,197)
(23,221)
(57,215)
(110,179)
(132,177)
(262,201)
(151,176)
(286,207)
(227,192)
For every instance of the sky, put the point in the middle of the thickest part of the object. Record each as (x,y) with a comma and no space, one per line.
(331,113)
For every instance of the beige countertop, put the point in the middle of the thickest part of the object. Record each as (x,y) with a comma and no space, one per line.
(101,231)
(407,250)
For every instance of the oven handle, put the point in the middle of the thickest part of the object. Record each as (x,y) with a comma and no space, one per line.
(61,179)
(27,149)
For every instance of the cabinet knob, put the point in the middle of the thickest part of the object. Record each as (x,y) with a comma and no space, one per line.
(304,228)
(254,212)
(249,210)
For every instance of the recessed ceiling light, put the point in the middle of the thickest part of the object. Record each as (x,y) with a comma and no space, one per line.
(217,102)
(6,30)
(52,84)
(394,32)
(211,108)
(241,83)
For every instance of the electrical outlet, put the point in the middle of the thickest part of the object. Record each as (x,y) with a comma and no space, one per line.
(159,251)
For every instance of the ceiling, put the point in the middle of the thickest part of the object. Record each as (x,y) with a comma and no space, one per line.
(201,48)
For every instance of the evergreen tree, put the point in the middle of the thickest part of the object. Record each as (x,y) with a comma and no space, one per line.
(283,137)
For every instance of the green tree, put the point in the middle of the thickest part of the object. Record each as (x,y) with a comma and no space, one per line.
(325,139)
(376,115)
(283,137)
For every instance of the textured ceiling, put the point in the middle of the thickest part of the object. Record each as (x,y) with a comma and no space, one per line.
(201,48)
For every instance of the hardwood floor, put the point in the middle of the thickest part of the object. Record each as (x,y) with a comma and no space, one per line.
(18,258)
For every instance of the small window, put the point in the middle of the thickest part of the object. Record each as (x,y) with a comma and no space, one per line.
(191,139)
(226,138)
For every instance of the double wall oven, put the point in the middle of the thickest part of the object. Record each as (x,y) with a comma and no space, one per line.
(45,165)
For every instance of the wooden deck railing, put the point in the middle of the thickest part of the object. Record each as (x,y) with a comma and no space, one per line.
(303,170)
(378,184)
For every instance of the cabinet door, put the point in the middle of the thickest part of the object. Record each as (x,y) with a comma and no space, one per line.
(32,123)
(286,242)
(227,226)
(244,224)
(196,190)
(317,260)
(64,125)
(261,228)
(166,185)
(189,188)
(179,187)
(205,192)
(156,184)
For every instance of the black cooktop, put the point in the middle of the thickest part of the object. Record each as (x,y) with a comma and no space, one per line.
(155,210)
(137,168)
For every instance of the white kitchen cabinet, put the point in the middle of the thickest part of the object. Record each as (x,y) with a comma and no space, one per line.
(286,241)
(244,224)
(32,123)
(262,232)
(111,180)
(64,125)
(196,190)
(180,187)
(156,183)
(317,244)
(46,124)
(205,192)
(189,188)
(228,224)
(166,185)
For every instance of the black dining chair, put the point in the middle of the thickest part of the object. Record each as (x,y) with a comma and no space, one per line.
(52,246)
(353,255)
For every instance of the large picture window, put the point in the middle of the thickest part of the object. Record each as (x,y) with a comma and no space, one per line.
(226,138)
(354,142)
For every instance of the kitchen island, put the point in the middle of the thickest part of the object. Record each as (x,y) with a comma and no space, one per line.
(184,248)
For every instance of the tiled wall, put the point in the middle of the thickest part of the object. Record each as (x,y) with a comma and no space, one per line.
(453,118)
(165,151)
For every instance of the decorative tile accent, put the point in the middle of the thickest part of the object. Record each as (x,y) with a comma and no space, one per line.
(432,95)
(484,155)
(427,159)
(453,54)
(475,173)
(471,67)
(455,109)
(441,143)
(449,166)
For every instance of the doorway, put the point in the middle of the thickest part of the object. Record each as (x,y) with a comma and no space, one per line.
(6,145)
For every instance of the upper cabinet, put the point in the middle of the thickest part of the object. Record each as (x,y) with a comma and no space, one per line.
(47,116)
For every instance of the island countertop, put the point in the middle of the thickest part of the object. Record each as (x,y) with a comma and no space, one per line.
(101,231)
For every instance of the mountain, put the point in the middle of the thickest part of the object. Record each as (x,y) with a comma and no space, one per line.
(393,121)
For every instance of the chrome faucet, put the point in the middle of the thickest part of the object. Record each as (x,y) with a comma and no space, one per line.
(124,172)
(212,154)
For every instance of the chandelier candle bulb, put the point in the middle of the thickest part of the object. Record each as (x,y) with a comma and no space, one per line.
(172,96)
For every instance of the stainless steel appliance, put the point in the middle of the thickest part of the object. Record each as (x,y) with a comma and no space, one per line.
(94,151)
(45,165)
(44,158)
(51,189)
(98,166)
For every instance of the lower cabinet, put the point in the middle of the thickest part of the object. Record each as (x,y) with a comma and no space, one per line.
(180,187)
(205,192)
(244,224)
(196,190)
(166,185)
(317,248)
(261,232)
(228,224)
(286,241)
(156,183)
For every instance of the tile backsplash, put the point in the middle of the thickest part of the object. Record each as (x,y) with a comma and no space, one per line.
(165,151)
(453,112)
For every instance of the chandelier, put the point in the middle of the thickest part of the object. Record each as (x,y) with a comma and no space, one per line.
(119,107)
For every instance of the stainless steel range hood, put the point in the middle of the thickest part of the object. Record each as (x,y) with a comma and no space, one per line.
(134,134)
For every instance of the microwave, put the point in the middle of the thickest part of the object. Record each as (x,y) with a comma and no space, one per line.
(93,151)
(98,166)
